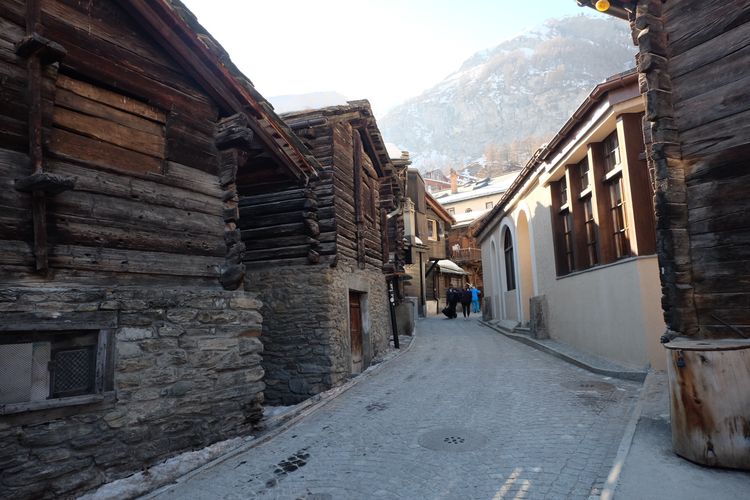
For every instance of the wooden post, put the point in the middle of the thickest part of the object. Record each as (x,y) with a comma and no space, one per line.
(39,52)
(358,216)
(710,403)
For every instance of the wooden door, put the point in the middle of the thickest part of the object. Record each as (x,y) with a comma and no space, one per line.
(355,331)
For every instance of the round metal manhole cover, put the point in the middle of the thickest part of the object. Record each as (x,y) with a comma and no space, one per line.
(589,385)
(452,439)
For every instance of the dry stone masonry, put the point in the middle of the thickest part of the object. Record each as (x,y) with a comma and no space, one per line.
(185,372)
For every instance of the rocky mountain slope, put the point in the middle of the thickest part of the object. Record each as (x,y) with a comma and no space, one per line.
(519,93)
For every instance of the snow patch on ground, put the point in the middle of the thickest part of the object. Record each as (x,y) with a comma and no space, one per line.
(275,411)
(164,473)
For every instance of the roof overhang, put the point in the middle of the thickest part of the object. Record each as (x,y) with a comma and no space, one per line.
(547,152)
(178,32)
(359,115)
(436,207)
(621,9)
(449,267)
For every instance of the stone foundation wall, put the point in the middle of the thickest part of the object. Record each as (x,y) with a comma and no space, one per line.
(186,373)
(306,325)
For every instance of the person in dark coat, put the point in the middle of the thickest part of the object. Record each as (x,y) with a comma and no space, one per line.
(453,296)
(466,301)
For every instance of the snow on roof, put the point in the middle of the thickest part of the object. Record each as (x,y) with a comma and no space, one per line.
(450,267)
(302,102)
(394,152)
(476,189)
(467,218)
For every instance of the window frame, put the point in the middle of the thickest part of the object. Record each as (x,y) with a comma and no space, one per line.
(432,230)
(103,366)
(584,173)
(509,260)
(568,240)
(618,212)
(591,233)
(611,156)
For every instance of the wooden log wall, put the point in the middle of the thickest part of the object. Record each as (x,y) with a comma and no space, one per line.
(693,61)
(357,240)
(295,226)
(133,129)
(709,57)
(291,225)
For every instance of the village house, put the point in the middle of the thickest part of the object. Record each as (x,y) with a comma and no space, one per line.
(325,299)
(127,139)
(425,227)
(464,249)
(570,249)
(692,65)
(468,202)
(472,199)
(436,180)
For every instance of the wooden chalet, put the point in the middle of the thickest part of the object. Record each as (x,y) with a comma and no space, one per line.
(127,139)
(426,225)
(692,63)
(325,303)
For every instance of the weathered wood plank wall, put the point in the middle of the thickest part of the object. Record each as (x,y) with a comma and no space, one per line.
(708,59)
(357,240)
(136,132)
(692,64)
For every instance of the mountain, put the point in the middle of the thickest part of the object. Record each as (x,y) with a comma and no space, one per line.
(506,101)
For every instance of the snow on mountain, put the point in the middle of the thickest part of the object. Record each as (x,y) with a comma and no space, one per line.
(522,90)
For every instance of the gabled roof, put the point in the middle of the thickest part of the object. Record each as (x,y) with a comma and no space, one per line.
(436,207)
(478,189)
(359,114)
(545,152)
(178,32)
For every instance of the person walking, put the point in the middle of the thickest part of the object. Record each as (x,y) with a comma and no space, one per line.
(452,298)
(475,293)
(466,301)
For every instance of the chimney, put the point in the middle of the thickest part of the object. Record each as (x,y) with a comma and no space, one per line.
(454,182)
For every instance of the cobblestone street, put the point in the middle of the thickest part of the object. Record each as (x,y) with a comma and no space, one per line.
(465,414)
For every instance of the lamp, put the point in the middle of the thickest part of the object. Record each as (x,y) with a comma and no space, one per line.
(602,5)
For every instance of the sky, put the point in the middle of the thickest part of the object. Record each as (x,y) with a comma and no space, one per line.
(382,50)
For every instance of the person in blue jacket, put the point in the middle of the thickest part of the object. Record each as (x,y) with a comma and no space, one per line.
(475,293)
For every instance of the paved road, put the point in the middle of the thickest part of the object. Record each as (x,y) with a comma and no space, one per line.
(465,414)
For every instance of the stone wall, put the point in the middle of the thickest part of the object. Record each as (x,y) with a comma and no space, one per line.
(306,325)
(186,373)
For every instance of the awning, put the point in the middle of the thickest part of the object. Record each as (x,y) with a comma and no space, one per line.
(449,267)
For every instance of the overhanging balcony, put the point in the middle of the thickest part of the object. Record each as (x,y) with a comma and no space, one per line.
(466,255)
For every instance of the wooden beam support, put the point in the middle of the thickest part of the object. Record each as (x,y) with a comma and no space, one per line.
(358,217)
(46,50)
(49,183)
(39,51)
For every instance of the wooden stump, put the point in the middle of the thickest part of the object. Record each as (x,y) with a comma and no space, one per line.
(709,381)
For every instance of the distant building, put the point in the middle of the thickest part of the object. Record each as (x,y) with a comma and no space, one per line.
(468,200)
(474,197)
(436,180)
(425,226)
